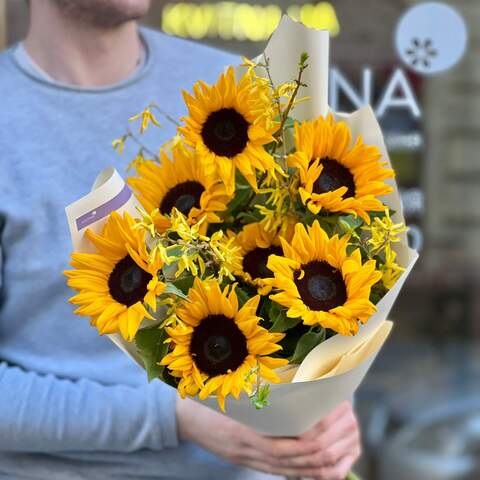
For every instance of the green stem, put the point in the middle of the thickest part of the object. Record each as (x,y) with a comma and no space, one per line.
(272,85)
(298,84)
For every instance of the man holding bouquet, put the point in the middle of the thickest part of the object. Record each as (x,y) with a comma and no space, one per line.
(72,406)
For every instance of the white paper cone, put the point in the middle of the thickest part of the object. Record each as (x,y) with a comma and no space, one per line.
(109,193)
(283,51)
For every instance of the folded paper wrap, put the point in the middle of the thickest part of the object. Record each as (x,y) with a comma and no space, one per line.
(333,370)
(109,193)
(283,52)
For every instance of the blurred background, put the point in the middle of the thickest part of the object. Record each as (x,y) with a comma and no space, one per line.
(420,70)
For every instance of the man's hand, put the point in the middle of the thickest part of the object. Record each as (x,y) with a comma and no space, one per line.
(326,452)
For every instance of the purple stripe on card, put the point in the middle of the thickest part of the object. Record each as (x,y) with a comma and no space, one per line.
(103,210)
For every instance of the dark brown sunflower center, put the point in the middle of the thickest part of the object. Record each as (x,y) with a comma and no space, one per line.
(334,175)
(128,282)
(218,345)
(183,197)
(322,287)
(255,261)
(225,132)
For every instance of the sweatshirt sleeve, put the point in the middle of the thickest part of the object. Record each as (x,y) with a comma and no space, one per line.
(47,414)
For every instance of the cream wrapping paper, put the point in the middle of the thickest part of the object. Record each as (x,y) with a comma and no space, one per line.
(333,370)
(283,51)
(109,193)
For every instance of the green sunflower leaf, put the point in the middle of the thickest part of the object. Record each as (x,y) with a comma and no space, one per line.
(283,323)
(240,180)
(349,222)
(239,201)
(250,217)
(330,219)
(263,312)
(175,251)
(172,289)
(377,292)
(307,217)
(307,342)
(242,296)
(152,348)
(184,283)
(380,214)
(279,319)
(327,226)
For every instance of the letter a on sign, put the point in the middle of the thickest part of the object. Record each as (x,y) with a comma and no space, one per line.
(406,98)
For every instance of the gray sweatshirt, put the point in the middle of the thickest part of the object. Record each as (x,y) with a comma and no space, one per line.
(72,406)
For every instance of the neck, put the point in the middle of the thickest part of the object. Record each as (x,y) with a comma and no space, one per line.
(82,55)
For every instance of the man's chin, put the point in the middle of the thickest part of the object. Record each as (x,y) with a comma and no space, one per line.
(104,13)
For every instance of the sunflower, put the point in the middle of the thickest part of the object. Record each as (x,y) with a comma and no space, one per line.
(320,283)
(117,284)
(182,184)
(336,176)
(256,244)
(228,126)
(217,347)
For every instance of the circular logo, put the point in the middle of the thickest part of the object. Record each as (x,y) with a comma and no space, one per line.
(431,37)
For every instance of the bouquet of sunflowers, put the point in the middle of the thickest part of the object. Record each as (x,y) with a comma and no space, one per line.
(258,255)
